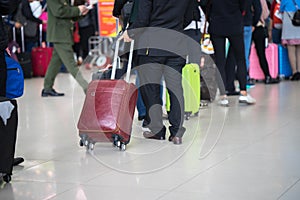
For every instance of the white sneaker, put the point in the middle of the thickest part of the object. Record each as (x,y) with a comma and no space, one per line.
(247,99)
(223,102)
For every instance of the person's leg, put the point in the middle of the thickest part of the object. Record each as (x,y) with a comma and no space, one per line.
(53,69)
(292,57)
(230,72)
(85,33)
(3,74)
(237,44)
(219,49)
(294,53)
(65,53)
(150,74)
(140,104)
(259,41)
(173,78)
(247,43)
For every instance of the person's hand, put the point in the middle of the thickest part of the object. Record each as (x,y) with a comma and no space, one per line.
(18,25)
(8,51)
(83,9)
(126,37)
(44,21)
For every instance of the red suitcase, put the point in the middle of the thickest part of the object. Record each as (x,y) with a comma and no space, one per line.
(255,71)
(40,58)
(108,110)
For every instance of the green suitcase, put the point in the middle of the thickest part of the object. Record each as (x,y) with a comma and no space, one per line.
(191,90)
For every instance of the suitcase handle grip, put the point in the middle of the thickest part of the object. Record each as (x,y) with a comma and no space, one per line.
(115,61)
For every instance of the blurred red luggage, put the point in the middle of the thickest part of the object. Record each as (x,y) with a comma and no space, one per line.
(255,71)
(40,58)
(108,110)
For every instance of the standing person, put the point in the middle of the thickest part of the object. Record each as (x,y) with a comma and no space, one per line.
(61,17)
(88,26)
(192,21)
(250,19)
(156,17)
(226,21)
(25,11)
(6,8)
(291,35)
(259,38)
(276,17)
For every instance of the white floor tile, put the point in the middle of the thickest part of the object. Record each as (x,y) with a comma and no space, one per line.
(234,153)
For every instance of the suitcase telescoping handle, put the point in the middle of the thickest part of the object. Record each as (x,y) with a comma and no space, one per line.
(22,38)
(115,61)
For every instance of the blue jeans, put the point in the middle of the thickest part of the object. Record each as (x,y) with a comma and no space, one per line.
(276,35)
(247,43)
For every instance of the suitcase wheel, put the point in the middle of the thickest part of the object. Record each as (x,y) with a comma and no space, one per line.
(7,178)
(117,143)
(187,115)
(90,146)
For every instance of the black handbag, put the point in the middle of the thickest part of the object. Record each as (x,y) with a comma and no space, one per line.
(296,17)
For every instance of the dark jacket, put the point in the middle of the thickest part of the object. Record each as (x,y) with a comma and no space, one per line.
(193,13)
(252,12)
(118,5)
(159,25)
(226,17)
(6,8)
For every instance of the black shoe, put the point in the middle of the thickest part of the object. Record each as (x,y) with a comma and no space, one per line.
(18,161)
(232,93)
(270,80)
(296,76)
(52,92)
(150,135)
(140,118)
(177,140)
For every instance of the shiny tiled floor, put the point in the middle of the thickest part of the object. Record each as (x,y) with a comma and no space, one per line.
(235,153)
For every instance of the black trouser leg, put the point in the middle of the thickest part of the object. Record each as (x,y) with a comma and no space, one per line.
(3,74)
(237,44)
(258,36)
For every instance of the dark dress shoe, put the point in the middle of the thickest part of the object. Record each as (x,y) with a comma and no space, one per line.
(177,140)
(150,135)
(141,118)
(18,161)
(270,80)
(52,92)
(296,76)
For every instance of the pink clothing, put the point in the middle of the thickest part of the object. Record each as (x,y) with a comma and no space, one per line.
(265,11)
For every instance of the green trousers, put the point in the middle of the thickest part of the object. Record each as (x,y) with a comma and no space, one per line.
(63,54)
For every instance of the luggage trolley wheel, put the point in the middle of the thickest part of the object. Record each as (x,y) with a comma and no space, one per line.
(116,141)
(81,143)
(7,178)
(122,147)
(91,146)
(187,115)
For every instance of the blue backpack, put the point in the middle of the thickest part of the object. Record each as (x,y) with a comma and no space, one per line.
(15,78)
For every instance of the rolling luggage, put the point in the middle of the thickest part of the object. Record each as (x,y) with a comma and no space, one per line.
(8,135)
(40,58)
(24,58)
(285,69)
(108,110)
(208,84)
(255,71)
(191,90)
